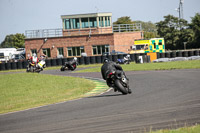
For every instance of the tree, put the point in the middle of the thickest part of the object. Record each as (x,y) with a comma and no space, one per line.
(124,20)
(195,27)
(13,41)
(175,32)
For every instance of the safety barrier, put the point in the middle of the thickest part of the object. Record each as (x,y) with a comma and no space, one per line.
(99,59)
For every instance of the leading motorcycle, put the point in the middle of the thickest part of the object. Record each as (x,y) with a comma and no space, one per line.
(119,82)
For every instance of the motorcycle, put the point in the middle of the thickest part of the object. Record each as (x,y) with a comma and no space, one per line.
(125,60)
(33,67)
(68,66)
(42,64)
(118,81)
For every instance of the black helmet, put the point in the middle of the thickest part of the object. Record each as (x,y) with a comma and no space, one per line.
(105,60)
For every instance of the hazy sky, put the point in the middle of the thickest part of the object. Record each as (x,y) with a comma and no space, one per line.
(17,16)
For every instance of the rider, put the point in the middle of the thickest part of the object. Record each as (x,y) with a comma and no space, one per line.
(110,67)
(34,59)
(73,63)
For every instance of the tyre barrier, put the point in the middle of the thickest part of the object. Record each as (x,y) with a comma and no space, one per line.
(2,66)
(87,60)
(19,65)
(132,56)
(173,54)
(185,54)
(179,54)
(196,53)
(98,59)
(53,62)
(64,60)
(58,61)
(158,55)
(81,61)
(109,57)
(167,55)
(191,53)
(13,65)
(114,58)
(48,62)
(92,60)
(8,66)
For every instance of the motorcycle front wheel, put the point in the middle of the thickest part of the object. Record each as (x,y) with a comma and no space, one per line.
(120,87)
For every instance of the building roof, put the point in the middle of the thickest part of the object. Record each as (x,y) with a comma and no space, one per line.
(86,15)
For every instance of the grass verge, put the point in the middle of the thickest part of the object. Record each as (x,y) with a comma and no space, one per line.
(191,64)
(193,129)
(26,90)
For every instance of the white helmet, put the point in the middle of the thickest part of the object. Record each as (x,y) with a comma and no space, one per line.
(34,55)
(75,58)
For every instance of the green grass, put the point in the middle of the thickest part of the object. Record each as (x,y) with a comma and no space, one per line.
(193,129)
(192,64)
(26,90)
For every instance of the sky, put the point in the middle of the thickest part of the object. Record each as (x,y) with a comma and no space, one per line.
(17,16)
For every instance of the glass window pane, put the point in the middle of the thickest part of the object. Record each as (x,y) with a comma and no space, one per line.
(93,22)
(69,51)
(73,51)
(67,24)
(78,51)
(99,49)
(84,22)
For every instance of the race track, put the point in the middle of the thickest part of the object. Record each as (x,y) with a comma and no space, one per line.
(160,99)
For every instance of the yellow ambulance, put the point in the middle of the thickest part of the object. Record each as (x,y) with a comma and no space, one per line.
(148,46)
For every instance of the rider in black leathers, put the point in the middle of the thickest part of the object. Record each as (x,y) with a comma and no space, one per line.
(110,67)
(72,63)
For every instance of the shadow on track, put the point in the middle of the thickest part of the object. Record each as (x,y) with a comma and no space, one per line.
(106,95)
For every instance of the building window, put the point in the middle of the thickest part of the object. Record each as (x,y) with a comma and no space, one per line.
(33,51)
(100,49)
(60,52)
(67,24)
(75,51)
(84,22)
(47,52)
(76,23)
(93,22)
(101,22)
(107,21)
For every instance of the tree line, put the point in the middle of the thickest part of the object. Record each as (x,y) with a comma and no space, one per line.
(176,32)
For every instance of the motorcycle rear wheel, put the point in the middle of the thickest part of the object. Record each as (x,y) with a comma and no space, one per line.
(120,87)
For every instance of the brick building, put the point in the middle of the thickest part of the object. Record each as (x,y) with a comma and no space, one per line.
(93,34)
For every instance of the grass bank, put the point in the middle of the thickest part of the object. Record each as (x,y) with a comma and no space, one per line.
(193,129)
(191,64)
(26,90)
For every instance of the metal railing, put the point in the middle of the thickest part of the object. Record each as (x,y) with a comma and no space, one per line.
(43,33)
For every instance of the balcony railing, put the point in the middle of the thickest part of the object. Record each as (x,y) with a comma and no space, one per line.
(43,33)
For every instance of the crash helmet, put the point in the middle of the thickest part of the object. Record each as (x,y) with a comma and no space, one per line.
(75,58)
(106,60)
(128,56)
(34,55)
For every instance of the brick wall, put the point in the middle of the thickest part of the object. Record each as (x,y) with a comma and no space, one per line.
(72,41)
(123,40)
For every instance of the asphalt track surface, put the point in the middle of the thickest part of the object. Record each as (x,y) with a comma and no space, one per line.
(160,99)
